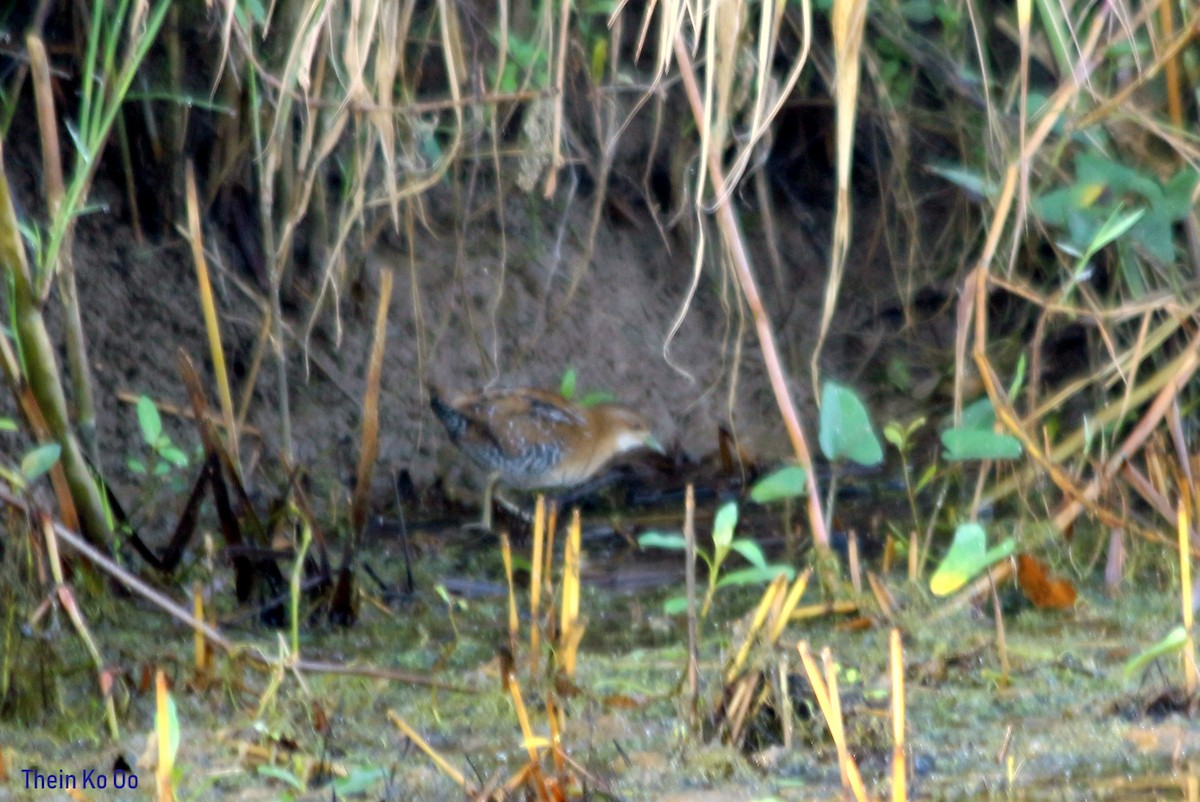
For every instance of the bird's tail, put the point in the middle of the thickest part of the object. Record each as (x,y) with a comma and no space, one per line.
(454,421)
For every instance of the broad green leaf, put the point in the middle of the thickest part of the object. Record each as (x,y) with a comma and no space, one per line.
(136,465)
(1173,642)
(751,551)
(785,482)
(919,12)
(977,444)
(1177,194)
(662,540)
(675,605)
(39,460)
(8,425)
(359,780)
(149,420)
(756,575)
(846,431)
(723,526)
(566,388)
(979,415)
(967,557)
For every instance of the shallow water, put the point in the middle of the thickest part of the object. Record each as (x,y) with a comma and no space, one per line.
(1061,726)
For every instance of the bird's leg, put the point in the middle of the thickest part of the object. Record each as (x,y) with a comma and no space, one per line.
(489,490)
(514,508)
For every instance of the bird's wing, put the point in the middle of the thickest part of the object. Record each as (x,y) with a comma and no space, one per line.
(553,410)
(514,421)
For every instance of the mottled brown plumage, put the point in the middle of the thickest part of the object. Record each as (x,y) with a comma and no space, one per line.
(532,439)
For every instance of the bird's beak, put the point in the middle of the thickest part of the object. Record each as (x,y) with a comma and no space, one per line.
(651,443)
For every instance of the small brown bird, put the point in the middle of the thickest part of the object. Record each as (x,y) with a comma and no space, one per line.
(531,439)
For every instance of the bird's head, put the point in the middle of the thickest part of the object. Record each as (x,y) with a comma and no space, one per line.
(626,429)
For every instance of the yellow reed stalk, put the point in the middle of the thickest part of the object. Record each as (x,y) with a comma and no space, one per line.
(765,603)
(789,605)
(1185,592)
(837,724)
(847,21)
(551,528)
(883,596)
(569,620)
(557,718)
(166,733)
(822,694)
(855,564)
(209,307)
(844,607)
(514,619)
(899,763)
(198,612)
(432,753)
(535,577)
(531,741)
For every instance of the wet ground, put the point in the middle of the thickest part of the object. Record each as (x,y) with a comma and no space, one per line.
(1065,723)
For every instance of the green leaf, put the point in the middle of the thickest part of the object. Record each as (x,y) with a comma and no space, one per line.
(1177,194)
(39,460)
(968,556)
(919,12)
(974,183)
(977,444)
(926,477)
(281,774)
(170,727)
(846,431)
(149,420)
(8,425)
(596,397)
(662,540)
(751,551)
(1173,642)
(174,455)
(979,415)
(894,435)
(756,575)
(135,465)
(723,526)
(161,468)
(359,780)
(1114,227)
(899,374)
(785,482)
(1019,378)
(566,387)
(675,605)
